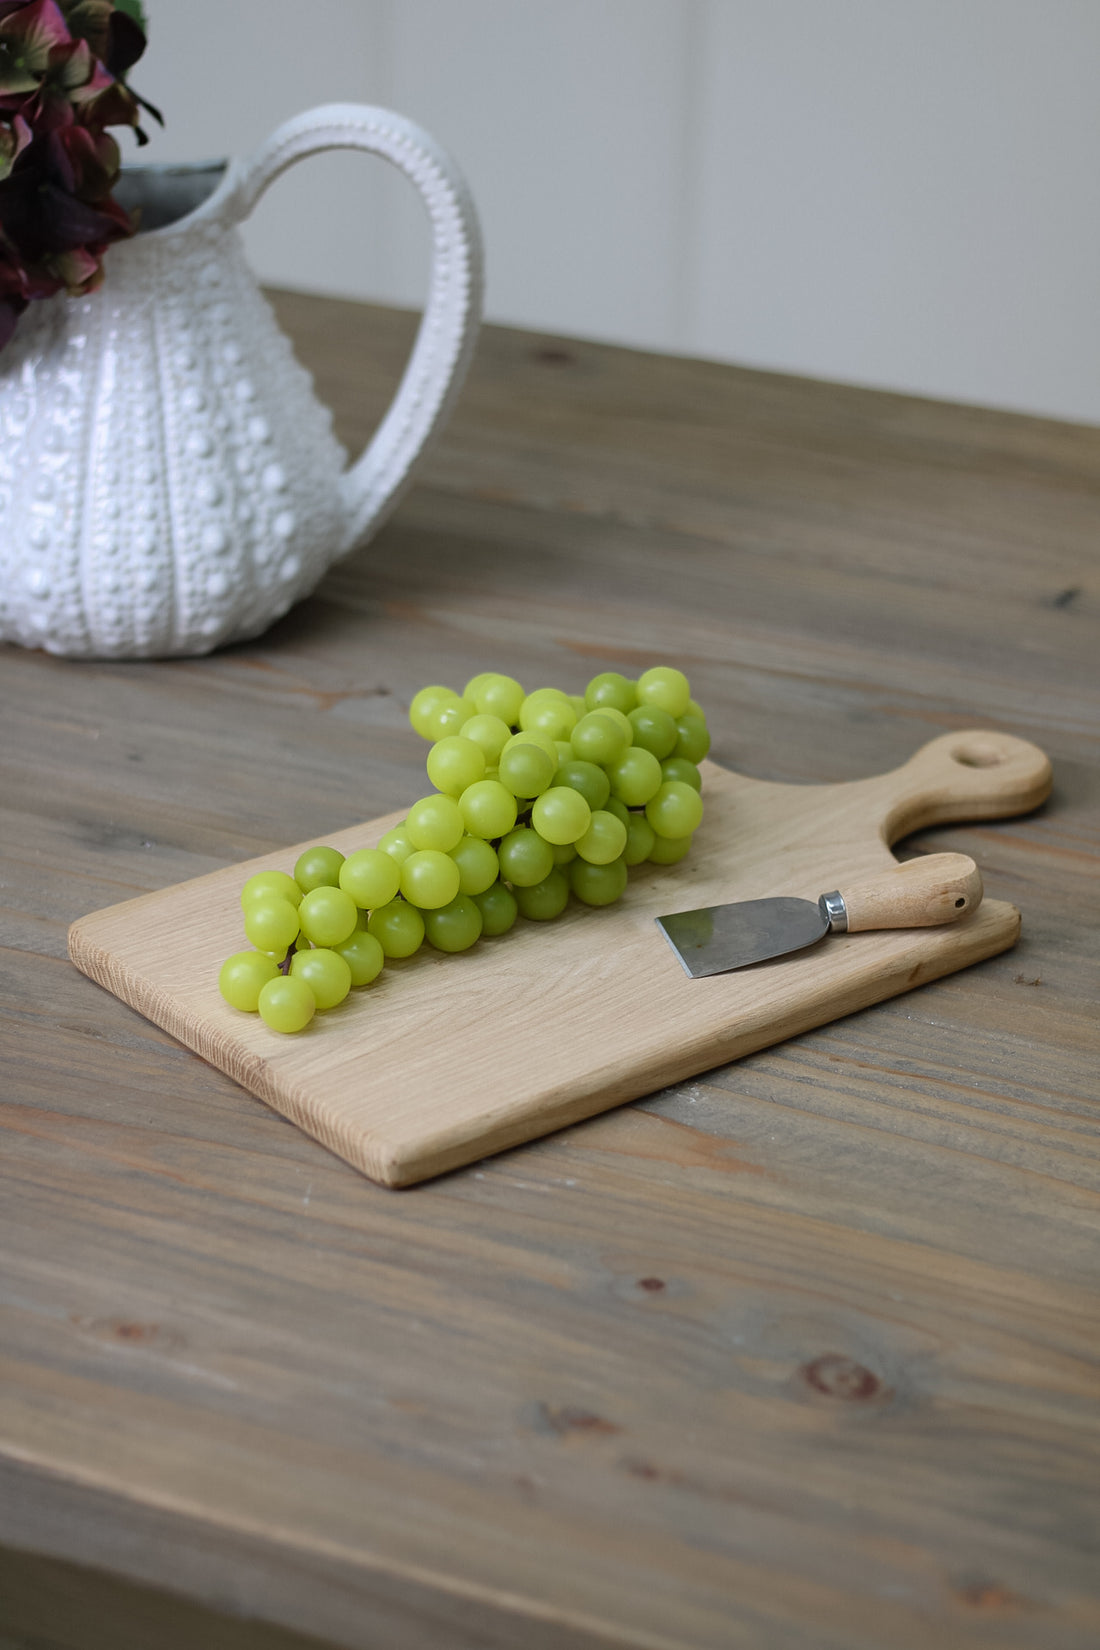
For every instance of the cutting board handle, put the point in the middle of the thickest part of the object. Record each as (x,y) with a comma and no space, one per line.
(977,774)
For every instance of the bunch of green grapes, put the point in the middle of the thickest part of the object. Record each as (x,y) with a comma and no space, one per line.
(308,931)
(538,797)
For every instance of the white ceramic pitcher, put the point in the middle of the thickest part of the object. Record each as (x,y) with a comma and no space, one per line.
(168,480)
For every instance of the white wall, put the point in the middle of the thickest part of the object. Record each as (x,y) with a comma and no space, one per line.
(892,192)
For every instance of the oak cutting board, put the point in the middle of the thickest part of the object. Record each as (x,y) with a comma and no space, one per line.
(446,1059)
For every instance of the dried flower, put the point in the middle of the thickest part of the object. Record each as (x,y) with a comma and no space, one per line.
(63,65)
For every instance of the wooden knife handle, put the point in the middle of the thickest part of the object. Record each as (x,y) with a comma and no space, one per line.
(918,894)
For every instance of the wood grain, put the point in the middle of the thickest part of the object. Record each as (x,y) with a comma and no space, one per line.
(442,1093)
(800,1354)
(919,894)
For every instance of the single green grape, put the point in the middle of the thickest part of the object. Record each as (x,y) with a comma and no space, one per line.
(669,850)
(675,810)
(542,696)
(535,737)
(271,924)
(478,865)
(578,704)
(665,687)
(695,710)
(327,974)
(564,852)
(546,899)
(470,690)
(286,1004)
(363,955)
(614,805)
(654,730)
(242,977)
(265,883)
(564,751)
(429,879)
(598,884)
(598,737)
(371,877)
(398,927)
(585,777)
(604,839)
(526,769)
(611,688)
(490,734)
(560,815)
(498,909)
(454,763)
(488,809)
(640,837)
(693,738)
(426,706)
(524,857)
(621,721)
(680,769)
(500,696)
(328,916)
(547,711)
(435,822)
(455,926)
(318,868)
(450,718)
(635,777)
(396,843)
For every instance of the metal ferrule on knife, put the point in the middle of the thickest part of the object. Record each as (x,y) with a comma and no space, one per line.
(835,912)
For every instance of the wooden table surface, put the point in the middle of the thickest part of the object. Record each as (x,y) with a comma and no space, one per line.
(798,1354)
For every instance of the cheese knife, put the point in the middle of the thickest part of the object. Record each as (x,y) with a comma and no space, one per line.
(921,893)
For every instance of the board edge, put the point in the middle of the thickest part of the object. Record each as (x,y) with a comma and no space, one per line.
(404,1168)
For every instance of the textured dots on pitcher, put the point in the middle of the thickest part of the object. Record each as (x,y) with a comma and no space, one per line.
(163,414)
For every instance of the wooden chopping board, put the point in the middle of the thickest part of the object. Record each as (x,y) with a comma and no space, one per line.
(446,1059)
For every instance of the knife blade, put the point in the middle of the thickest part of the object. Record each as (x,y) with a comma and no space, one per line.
(921,893)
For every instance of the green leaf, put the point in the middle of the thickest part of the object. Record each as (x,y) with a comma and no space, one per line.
(134,9)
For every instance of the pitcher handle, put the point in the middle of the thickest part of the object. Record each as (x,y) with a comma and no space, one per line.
(448,328)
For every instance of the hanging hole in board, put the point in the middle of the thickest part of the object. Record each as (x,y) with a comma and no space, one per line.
(977,755)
